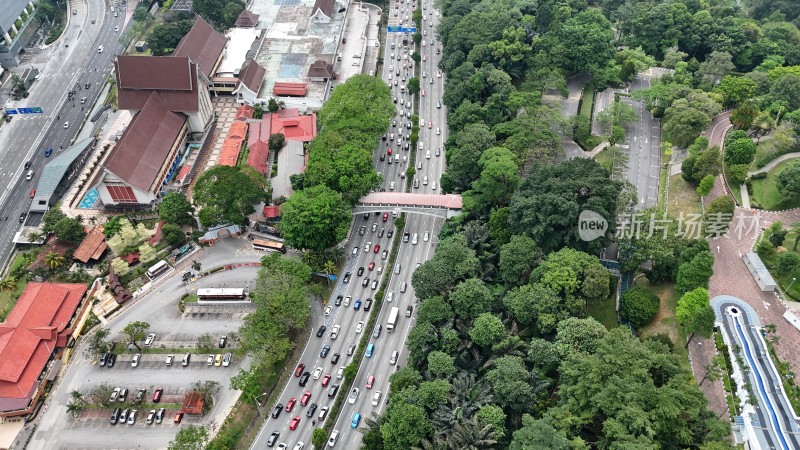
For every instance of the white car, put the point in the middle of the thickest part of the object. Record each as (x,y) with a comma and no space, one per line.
(150,338)
(328,310)
(367,247)
(353,396)
(136,358)
(332,439)
(299,446)
(376,398)
(335,331)
(317,373)
(355,250)
(347,300)
(438,74)
(359,327)
(433,185)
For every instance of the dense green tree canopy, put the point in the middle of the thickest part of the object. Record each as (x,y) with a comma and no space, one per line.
(314,219)
(638,306)
(176,209)
(228,194)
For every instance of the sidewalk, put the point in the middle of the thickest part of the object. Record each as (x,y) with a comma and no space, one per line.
(775,162)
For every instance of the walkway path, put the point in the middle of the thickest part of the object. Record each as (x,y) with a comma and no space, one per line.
(569,108)
(775,162)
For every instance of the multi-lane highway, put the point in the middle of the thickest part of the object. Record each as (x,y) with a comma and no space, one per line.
(75,61)
(397,69)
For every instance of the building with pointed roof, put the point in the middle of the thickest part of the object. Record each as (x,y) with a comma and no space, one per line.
(250,78)
(247,19)
(320,70)
(322,12)
(146,156)
(39,326)
(203,45)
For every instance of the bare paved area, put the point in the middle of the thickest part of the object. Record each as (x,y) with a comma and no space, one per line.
(569,108)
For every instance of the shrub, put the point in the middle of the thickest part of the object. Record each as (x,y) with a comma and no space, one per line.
(638,306)
(737,173)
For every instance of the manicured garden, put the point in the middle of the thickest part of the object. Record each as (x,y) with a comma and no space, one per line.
(766,195)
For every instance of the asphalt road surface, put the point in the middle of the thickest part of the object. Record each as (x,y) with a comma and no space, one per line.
(409,255)
(73,62)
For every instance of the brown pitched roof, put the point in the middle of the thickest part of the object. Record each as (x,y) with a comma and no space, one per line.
(203,45)
(92,246)
(320,69)
(252,74)
(140,153)
(247,19)
(174,77)
(325,5)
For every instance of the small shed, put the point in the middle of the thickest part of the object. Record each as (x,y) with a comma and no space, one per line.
(759,272)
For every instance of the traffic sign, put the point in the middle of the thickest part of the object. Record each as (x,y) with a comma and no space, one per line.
(33,110)
(11,111)
(399,29)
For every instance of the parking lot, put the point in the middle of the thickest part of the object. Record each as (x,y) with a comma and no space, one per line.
(176,333)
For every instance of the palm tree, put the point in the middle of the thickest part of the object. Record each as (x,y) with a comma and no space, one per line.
(76,395)
(329,268)
(8,283)
(196,265)
(74,408)
(763,124)
(53,260)
(470,435)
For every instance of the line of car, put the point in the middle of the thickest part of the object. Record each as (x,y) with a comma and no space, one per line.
(128,415)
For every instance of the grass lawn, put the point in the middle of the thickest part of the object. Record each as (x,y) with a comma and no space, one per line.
(605,311)
(605,158)
(9,298)
(665,322)
(765,191)
(682,197)
(587,101)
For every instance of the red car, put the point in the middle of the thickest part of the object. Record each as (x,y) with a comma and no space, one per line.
(33,193)
(299,370)
(157,395)
(390,151)
(305,398)
(325,380)
(385,217)
(290,404)
(376,249)
(371,266)
(430,124)
(294,423)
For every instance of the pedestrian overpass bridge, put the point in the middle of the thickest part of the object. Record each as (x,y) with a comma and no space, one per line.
(446,206)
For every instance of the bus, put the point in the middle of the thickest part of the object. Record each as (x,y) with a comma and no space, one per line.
(265,245)
(157,269)
(392,319)
(221,294)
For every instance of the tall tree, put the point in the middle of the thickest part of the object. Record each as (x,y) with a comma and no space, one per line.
(136,331)
(228,194)
(538,435)
(191,437)
(694,314)
(314,219)
(176,209)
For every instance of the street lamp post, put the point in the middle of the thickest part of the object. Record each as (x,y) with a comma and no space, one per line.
(258,404)
(790,284)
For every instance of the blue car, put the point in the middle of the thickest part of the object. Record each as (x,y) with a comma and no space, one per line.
(356,420)
(48,152)
(370,349)
(357,305)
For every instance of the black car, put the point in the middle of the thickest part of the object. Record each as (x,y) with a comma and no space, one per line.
(304,378)
(27,165)
(321,330)
(360,271)
(112,358)
(102,361)
(367,305)
(335,358)
(22,217)
(222,341)
(362,230)
(390,233)
(115,416)
(409,310)
(365,282)
(324,351)
(338,301)
(311,409)
(366,214)
(140,395)
(406,237)
(273,438)
(383,156)
(276,411)
(380,233)
(346,278)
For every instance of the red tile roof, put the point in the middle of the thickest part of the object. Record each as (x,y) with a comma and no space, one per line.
(294,126)
(175,78)
(247,19)
(92,246)
(203,45)
(258,156)
(272,211)
(229,154)
(320,69)
(244,112)
(144,146)
(252,74)
(33,330)
(193,403)
(290,89)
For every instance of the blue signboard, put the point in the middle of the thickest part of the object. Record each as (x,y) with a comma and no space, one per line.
(400,29)
(33,110)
